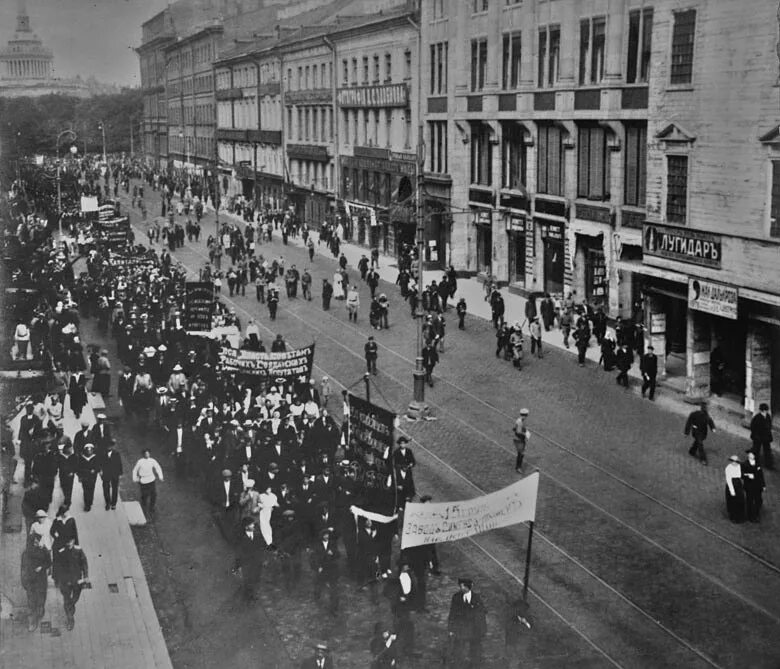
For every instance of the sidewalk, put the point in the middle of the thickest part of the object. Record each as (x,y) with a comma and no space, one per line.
(116,624)
(670,393)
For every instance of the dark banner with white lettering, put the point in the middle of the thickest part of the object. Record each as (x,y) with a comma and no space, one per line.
(371,425)
(684,244)
(287,365)
(198,306)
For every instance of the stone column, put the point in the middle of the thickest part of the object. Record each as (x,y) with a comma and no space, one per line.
(655,329)
(698,345)
(758,367)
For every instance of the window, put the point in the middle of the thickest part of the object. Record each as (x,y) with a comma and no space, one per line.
(299,134)
(344,72)
(640,35)
(682,47)
(549,160)
(354,127)
(388,127)
(636,164)
(478,63)
(375,128)
(388,67)
(300,79)
(365,70)
(511,61)
(774,211)
(407,128)
(407,65)
(513,157)
(315,123)
(593,163)
(439,9)
(592,42)
(549,55)
(479,6)
(439,68)
(481,154)
(345,119)
(676,188)
(437,140)
(376,69)
(354,72)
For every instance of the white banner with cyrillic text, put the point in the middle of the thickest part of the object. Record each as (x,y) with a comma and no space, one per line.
(429,523)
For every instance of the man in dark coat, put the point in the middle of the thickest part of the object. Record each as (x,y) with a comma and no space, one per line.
(87,470)
(754,485)
(324,562)
(71,574)
(100,435)
(430,357)
(320,660)
(624,361)
(371,351)
(67,464)
(467,626)
(29,431)
(649,369)
(761,435)
(249,560)
(327,294)
(44,468)
(36,562)
(697,425)
(34,498)
(290,542)
(110,471)
(223,494)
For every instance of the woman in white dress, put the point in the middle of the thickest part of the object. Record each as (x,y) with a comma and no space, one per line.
(338,286)
(268,501)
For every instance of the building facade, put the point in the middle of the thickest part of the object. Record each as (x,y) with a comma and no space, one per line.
(376,125)
(309,132)
(191,100)
(156,34)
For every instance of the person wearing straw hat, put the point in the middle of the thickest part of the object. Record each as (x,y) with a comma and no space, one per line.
(320,660)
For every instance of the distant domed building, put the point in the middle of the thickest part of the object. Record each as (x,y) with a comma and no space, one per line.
(26,66)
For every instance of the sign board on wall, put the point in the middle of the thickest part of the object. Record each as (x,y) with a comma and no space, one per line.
(713,298)
(682,244)
(657,323)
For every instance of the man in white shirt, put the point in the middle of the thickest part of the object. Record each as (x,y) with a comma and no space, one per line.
(146,472)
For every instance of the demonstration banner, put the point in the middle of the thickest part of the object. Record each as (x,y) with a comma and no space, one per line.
(370,424)
(447,521)
(198,305)
(290,364)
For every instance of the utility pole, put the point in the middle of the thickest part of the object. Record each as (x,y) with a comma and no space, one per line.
(103,131)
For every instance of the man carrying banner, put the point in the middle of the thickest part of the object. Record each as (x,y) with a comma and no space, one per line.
(466,626)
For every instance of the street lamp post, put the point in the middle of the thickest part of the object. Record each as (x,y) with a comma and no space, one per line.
(59,188)
(102,126)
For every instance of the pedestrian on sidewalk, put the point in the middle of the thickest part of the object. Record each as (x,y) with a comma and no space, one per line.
(520,438)
(698,424)
(36,562)
(34,499)
(581,341)
(363,266)
(371,352)
(536,337)
(310,246)
(67,464)
(566,322)
(372,279)
(342,262)
(735,494)
(353,303)
(88,468)
(460,309)
(110,471)
(306,284)
(497,308)
(375,258)
(761,435)
(649,368)
(624,361)
(607,357)
(146,472)
(71,575)
(755,486)
(63,529)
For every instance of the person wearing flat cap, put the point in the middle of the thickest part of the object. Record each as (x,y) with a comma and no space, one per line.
(87,470)
(466,626)
(224,495)
(320,660)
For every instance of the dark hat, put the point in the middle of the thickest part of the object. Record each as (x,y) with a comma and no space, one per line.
(324,531)
(426,498)
(650,347)
(402,440)
(763,406)
(246,522)
(467,582)
(273,467)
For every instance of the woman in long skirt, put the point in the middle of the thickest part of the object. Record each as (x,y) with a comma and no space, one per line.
(338,286)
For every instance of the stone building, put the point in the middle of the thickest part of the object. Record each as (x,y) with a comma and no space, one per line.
(27,66)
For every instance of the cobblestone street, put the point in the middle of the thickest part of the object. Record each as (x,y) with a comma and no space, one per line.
(635,563)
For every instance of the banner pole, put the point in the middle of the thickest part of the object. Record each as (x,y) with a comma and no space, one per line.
(367,379)
(528,560)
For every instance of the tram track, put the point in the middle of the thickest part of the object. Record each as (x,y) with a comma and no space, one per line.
(315,328)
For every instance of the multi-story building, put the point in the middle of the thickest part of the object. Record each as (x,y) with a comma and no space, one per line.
(709,279)
(156,34)
(191,101)
(375,124)
(249,123)
(309,133)
(622,150)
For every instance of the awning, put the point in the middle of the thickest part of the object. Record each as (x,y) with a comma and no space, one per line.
(637,267)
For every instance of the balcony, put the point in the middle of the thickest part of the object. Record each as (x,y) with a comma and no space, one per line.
(229,94)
